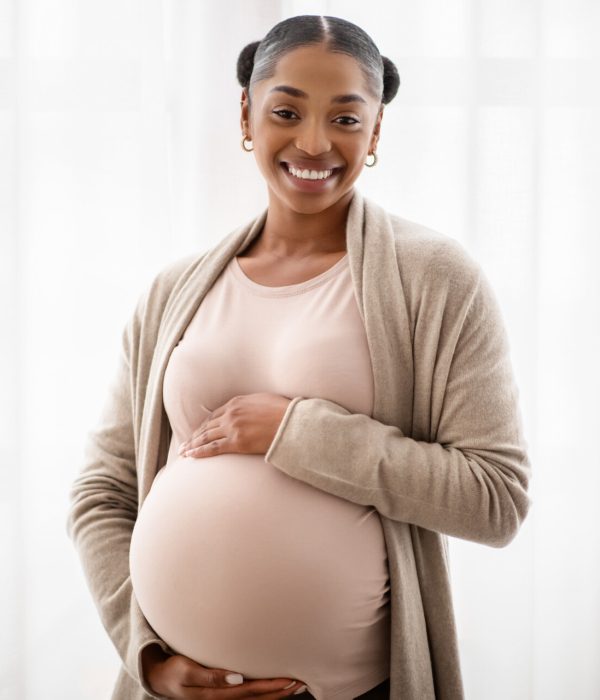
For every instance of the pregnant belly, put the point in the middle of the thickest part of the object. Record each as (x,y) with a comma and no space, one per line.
(239,566)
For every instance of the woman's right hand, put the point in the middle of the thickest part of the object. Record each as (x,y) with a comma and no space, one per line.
(179,677)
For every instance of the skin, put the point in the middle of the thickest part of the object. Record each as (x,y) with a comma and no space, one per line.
(176,676)
(302,227)
(304,234)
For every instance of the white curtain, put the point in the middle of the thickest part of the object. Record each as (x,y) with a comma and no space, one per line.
(120,151)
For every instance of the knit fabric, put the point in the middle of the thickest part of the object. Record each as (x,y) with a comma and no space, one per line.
(443,453)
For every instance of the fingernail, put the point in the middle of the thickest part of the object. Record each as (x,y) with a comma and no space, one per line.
(301,689)
(234,678)
(289,685)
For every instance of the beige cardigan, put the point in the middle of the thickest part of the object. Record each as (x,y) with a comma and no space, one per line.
(444,453)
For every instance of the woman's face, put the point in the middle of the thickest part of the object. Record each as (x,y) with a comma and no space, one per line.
(312,130)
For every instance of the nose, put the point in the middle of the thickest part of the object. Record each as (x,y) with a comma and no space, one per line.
(312,138)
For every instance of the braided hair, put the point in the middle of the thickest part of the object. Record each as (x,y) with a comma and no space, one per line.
(258,60)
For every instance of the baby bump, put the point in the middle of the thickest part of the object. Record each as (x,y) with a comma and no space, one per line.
(239,566)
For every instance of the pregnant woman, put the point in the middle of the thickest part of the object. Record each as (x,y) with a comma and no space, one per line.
(301,416)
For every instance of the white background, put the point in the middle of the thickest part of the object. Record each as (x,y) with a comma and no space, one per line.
(120,152)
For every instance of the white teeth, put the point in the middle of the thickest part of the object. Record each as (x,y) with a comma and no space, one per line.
(309,174)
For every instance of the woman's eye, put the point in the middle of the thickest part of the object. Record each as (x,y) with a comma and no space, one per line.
(354,121)
(281,111)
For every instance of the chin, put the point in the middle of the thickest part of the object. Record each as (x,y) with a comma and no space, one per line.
(309,203)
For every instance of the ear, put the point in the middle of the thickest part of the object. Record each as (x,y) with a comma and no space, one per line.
(377,129)
(245,114)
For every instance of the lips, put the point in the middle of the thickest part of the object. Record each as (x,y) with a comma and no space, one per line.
(309,184)
(332,173)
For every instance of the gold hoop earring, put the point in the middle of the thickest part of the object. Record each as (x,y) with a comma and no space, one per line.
(244,144)
(370,165)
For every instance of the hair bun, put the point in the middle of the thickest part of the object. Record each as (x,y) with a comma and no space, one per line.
(391,80)
(245,63)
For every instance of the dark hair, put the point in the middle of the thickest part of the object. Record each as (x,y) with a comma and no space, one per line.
(258,60)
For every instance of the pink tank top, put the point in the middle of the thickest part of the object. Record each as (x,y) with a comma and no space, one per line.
(234,563)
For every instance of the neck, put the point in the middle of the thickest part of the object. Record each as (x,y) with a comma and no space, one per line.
(290,234)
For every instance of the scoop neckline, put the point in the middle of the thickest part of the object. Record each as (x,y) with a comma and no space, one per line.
(287,289)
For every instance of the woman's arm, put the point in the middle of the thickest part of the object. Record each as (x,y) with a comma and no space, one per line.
(470,483)
(103,510)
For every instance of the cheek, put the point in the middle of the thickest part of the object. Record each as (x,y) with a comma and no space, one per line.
(358,158)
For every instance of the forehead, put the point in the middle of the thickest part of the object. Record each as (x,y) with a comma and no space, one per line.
(318,71)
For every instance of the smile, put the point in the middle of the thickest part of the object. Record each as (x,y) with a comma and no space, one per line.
(309,180)
(309,174)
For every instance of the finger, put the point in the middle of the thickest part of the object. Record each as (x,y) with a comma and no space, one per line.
(296,688)
(209,448)
(202,438)
(196,678)
(205,437)
(206,423)
(194,675)
(199,438)
(264,689)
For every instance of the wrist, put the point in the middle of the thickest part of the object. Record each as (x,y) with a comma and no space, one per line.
(152,654)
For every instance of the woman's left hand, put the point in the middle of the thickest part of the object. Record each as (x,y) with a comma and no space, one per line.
(246,424)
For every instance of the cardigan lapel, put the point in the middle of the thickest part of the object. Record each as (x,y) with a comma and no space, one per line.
(380,295)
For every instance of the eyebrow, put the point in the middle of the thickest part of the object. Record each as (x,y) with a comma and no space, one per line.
(295,92)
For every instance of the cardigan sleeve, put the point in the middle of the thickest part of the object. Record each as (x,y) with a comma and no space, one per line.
(470,483)
(102,512)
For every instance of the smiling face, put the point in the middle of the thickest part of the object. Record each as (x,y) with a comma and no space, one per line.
(315,113)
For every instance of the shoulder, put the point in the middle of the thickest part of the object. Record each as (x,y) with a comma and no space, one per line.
(438,276)
(434,268)
(163,287)
(424,254)
(437,271)
(432,254)
(173,274)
